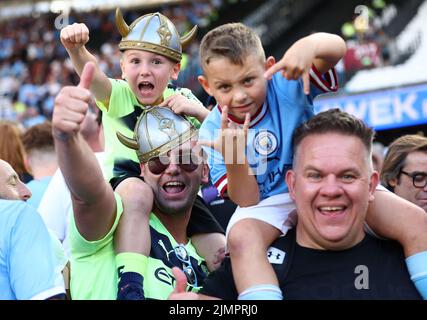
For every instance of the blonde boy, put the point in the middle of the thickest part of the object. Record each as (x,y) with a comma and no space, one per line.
(151,54)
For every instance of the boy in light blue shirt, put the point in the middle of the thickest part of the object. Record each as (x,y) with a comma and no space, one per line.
(249,166)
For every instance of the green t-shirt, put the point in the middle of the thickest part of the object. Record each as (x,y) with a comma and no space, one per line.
(122,114)
(93,267)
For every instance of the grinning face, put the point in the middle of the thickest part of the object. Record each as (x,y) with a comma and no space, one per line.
(331,188)
(148,74)
(175,188)
(415,162)
(242,88)
(11,187)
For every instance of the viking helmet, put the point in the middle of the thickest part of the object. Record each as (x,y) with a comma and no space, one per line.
(153,32)
(157,131)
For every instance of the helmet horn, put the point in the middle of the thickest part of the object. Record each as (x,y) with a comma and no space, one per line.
(121,24)
(130,143)
(188,37)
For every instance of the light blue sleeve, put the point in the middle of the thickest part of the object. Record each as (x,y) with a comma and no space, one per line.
(290,93)
(208,132)
(31,260)
(319,84)
(417,267)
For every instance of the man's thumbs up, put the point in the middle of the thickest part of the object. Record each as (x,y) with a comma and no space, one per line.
(87,76)
(180,291)
(71,105)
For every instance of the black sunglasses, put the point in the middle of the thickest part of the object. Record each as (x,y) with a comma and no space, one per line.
(186,160)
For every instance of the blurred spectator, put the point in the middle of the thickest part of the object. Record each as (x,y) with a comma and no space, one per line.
(38,143)
(27,262)
(385,43)
(378,6)
(33,63)
(26,274)
(378,152)
(348,30)
(18,107)
(369,45)
(11,187)
(32,117)
(12,150)
(405,169)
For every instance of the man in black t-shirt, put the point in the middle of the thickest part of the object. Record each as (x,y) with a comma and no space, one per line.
(328,255)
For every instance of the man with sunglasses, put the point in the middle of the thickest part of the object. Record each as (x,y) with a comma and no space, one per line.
(405,169)
(166,147)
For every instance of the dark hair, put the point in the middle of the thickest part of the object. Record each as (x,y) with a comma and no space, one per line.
(38,137)
(335,121)
(396,155)
(234,41)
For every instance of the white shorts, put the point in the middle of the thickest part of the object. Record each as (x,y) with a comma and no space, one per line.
(275,210)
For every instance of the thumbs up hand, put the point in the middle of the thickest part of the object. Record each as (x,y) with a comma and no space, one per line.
(71,105)
(180,292)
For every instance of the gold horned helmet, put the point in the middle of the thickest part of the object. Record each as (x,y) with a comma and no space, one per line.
(155,33)
(157,131)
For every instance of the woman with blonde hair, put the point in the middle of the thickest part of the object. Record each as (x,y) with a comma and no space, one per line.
(12,150)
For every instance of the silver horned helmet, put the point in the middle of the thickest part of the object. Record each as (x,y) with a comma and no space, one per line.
(157,131)
(155,33)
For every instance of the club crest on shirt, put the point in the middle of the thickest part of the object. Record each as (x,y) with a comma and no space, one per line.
(265,143)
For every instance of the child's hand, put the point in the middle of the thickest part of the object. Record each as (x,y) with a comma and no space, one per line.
(74,36)
(182,105)
(296,62)
(219,257)
(231,141)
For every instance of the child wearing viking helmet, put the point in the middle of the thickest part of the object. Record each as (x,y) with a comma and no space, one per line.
(151,54)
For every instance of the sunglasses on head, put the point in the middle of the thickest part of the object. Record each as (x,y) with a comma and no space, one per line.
(186,160)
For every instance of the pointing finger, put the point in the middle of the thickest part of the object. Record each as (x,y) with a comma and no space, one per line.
(306,82)
(272,70)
